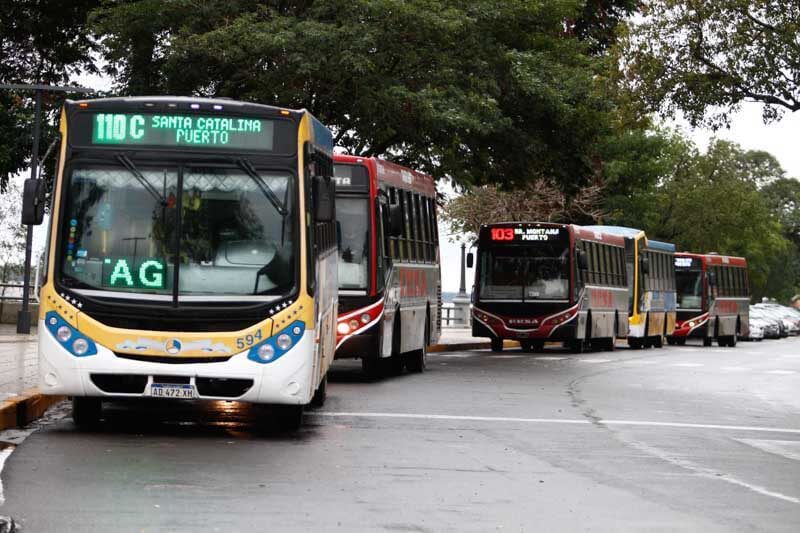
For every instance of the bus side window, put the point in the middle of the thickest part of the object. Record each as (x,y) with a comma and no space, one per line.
(380,244)
(417,226)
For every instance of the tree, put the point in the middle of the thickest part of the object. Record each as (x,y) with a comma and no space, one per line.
(479,92)
(12,232)
(783,197)
(705,57)
(40,42)
(538,200)
(711,202)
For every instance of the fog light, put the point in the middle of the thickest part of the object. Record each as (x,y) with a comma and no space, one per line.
(63,333)
(80,346)
(266,352)
(365,318)
(53,321)
(354,324)
(343,328)
(283,341)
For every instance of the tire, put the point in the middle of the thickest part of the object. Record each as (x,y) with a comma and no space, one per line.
(681,341)
(658,342)
(672,341)
(371,367)
(527,346)
(321,394)
(497,344)
(417,361)
(577,345)
(732,342)
(708,341)
(635,342)
(393,365)
(86,412)
(288,418)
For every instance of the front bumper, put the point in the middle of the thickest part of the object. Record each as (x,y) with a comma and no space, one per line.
(286,380)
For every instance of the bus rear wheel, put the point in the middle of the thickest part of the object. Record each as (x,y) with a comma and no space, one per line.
(497,344)
(635,342)
(321,394)
(658,341)
(86,412)
(417,360)
(708,341)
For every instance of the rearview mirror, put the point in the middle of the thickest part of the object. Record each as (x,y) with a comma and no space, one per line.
(395,220)
(324,193)
(33,202)
(470,260)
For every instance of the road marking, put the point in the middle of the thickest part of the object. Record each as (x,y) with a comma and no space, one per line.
(689,365)
(708,472)
(5,453)
(781,372)
(736,368)
(577,421)
(506,356)
(455,355)
(594,360)
(549,358)
(785,448)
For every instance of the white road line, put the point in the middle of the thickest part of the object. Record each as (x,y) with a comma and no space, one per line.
(781,372)
(594,360)
(785,448)
(454,355)
(506,356)
(5,453)
(736,368)
(549,358)
(576,421)
(688,365)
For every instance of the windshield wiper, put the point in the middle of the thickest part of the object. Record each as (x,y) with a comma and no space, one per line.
(128,164)
(248,167)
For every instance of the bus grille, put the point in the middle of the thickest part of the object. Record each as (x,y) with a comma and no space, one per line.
(120,383)
(172,359)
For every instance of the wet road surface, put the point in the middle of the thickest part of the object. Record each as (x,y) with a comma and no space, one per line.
(682,438)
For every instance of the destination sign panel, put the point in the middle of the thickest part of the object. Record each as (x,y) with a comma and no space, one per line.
(687,262)
(350,176)
(183,130)
(524,234)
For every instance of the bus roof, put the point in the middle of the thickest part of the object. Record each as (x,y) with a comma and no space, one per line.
(715,259)
(660,245)
(392,174)
(616,230)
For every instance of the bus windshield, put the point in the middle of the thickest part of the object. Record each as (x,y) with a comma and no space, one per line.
(126,227)
(352,224)
(525,272)
(689,288)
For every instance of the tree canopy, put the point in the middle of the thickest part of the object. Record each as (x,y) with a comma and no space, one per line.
(705,57)
(480,92)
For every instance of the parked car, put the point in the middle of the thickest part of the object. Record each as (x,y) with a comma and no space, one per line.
(789,322)
(762,326)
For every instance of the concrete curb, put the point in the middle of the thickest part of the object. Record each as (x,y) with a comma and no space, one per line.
(23,409)
(457,346)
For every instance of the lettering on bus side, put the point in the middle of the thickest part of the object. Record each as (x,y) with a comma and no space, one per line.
(601,298)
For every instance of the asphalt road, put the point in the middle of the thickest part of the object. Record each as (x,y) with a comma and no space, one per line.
(682,438)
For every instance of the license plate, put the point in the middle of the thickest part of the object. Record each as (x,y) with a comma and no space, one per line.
(172,390)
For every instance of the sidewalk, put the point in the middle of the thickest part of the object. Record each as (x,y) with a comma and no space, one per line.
(21,402)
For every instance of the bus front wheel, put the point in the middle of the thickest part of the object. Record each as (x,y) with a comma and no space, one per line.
(321,394)
(288,418)
(418,359)
(86,412)
(497,344)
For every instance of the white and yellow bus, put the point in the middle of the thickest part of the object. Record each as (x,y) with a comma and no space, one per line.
(192,254)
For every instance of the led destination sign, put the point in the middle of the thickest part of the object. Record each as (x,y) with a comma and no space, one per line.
(198,131)
(525,234)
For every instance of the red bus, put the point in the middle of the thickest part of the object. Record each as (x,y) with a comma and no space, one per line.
(389,279)
(538,282)
(713,298)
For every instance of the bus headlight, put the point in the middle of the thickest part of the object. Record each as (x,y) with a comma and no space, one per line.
(63,333)
(353,324)
(70,338)
(80,346)
(284,341)
(365,318)
(343,328)
(266,352)
(279,344)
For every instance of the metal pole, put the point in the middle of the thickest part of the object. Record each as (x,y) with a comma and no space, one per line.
(24,315)
(462,288)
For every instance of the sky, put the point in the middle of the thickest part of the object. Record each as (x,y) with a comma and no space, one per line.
(746,129)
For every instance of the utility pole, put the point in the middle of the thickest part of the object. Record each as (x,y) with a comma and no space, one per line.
(462,288)
(24,315)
